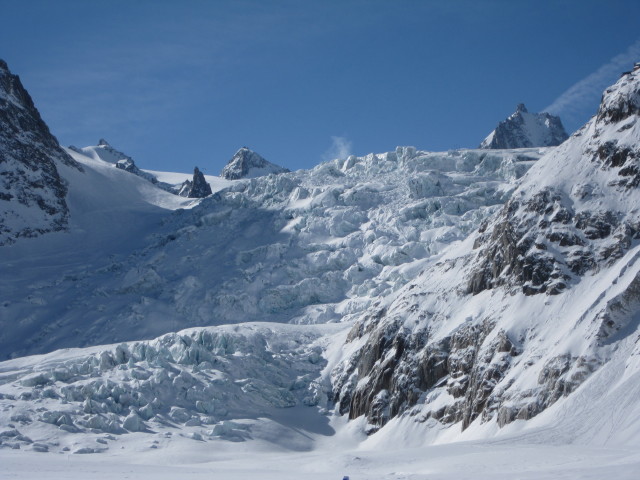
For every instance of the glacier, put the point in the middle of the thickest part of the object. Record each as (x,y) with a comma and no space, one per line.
(310,246)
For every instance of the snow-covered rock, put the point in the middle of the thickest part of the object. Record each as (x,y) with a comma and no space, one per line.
(523,129)
(469,342)
(576,211)
(248,164)
(32,193)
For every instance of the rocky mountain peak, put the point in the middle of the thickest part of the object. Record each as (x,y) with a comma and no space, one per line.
(198,187)
(622,100)
(11,89)
(31,190)
(523,129)
(107,153)
(248,164)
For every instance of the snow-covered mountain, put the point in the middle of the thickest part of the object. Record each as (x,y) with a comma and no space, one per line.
(370,310)
(543,296)
(32,194)
(246,163)
(523,129)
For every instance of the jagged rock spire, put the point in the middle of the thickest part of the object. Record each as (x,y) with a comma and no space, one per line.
(199,186)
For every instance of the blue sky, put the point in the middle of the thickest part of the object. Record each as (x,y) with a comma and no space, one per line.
(178,84)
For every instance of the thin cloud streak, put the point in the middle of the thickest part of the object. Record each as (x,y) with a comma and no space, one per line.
(586,93)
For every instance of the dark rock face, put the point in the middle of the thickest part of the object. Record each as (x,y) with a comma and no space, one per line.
(621,107)
(524,130)
(248,164)
(396,369)
(199,186)
(32,194)
(128,166)
(620,101)
(185,188)
(457,378)
(517,247)
(542,244)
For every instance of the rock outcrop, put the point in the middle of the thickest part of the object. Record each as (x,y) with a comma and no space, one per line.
(195,188)
(575,217)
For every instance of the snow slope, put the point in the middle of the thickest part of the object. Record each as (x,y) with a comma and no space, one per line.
(106,153)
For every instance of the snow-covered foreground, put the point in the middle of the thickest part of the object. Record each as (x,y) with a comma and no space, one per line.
(477,461)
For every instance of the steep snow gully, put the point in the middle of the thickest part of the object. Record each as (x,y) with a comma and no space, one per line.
(391,309)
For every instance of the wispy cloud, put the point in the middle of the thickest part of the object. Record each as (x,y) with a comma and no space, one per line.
(340,148)
(583,97)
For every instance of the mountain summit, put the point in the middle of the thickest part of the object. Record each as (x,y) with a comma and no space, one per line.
(523,129)
(248,164)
